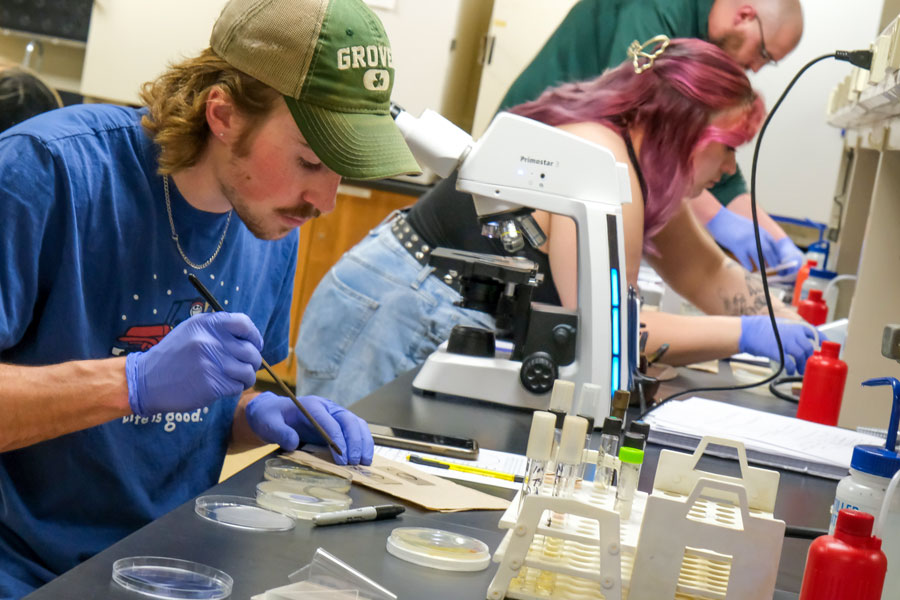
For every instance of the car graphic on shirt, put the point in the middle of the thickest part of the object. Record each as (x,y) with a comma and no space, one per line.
(140,338)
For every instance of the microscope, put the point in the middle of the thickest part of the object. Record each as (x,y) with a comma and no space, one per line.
(517,166)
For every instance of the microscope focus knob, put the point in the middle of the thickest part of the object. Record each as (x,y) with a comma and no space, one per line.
(538,373)
(471,341)
(563,334)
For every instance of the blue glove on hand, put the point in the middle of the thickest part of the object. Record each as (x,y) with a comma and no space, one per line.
(788,252)
(758,339)
(207,357)
(735,233)
(276,420)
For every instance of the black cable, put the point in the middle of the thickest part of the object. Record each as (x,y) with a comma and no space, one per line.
(856,57)
(773,388)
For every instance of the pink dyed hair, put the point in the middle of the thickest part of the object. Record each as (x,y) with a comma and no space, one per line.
(673,103)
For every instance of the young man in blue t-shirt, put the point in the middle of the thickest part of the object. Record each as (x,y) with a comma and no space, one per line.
(119,390)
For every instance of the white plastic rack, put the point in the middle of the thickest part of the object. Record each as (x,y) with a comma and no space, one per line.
(698,535)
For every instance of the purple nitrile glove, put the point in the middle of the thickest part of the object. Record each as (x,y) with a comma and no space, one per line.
(206,357)
(276,420)
(735,233)
(788,253)
(757,338)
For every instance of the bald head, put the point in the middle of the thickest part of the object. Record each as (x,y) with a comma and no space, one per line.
(756,32)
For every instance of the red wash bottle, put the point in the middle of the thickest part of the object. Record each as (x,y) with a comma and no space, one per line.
(848,565)
(823,385)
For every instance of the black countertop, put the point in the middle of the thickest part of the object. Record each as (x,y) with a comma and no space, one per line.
(260,561)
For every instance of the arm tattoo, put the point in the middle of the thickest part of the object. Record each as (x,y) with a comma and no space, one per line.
(749,302)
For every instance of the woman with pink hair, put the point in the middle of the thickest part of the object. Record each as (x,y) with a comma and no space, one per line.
(675,115)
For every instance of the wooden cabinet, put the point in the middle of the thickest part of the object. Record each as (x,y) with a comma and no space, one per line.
(324,240)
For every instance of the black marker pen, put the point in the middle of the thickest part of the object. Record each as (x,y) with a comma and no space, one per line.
(354,515)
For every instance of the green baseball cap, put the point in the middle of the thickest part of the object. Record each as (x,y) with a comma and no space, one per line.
(331,59)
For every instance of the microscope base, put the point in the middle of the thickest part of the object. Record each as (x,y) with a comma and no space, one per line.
(490,379)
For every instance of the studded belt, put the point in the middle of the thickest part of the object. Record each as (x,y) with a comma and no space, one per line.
(418,248)
(409,239)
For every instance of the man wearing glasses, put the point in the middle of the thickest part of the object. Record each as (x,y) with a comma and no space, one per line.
(596,34)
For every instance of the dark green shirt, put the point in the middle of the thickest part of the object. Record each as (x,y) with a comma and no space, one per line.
(595,35)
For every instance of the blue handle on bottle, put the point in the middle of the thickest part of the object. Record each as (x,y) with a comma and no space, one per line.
(891,442)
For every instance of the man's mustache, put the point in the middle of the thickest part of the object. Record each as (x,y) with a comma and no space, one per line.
(307,211)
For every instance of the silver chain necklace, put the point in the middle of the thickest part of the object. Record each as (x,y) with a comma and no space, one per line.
(175,235)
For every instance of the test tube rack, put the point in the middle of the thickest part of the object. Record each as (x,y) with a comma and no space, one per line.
(698,535)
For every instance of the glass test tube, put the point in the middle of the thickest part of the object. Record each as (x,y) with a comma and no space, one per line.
(579,472)
(568,458)
(587,408)
(561,400)
(560,406)
(540,445)
(631,456)
(609,446)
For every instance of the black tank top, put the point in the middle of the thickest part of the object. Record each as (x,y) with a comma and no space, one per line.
(446,218)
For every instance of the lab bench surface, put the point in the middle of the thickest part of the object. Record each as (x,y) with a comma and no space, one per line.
(260,561)
(803,501)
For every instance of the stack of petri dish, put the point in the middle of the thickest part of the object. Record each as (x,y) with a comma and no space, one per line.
(282,468)
(438,549)
(300,500)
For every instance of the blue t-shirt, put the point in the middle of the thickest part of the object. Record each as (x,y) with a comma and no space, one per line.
(88,270)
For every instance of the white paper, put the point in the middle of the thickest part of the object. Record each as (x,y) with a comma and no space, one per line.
(762,361)
(503,462)
(761,431)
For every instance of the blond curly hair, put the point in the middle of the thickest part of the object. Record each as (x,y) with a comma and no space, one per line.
(177,107)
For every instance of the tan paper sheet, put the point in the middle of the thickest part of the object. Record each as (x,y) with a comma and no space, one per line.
(710,366)
(404,482)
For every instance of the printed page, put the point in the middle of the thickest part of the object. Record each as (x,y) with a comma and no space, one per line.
(761,431)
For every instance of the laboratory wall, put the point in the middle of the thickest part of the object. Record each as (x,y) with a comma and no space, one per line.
(800,153)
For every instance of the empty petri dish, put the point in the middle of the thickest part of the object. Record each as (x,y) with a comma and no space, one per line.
(282,468)
(241,513)
(163,577)
(298,500)
(438,549)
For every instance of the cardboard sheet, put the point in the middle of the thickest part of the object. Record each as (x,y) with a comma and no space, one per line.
(407,483)
(710,366)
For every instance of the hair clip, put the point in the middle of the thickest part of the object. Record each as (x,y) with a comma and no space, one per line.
(643,60)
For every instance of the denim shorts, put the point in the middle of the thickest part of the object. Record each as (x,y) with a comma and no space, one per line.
(376,314)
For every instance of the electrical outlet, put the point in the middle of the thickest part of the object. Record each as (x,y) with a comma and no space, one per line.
(894,52)
(860,81)
(850,95)
(881,50)
(890,342)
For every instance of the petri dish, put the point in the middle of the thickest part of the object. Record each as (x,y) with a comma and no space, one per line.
(438,549)
(162,577)
(299,500)
(282,468)
(241,513)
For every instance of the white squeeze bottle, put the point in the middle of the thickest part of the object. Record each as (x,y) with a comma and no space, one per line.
(871,470)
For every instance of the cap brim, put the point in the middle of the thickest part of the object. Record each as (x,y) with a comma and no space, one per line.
(354,145)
